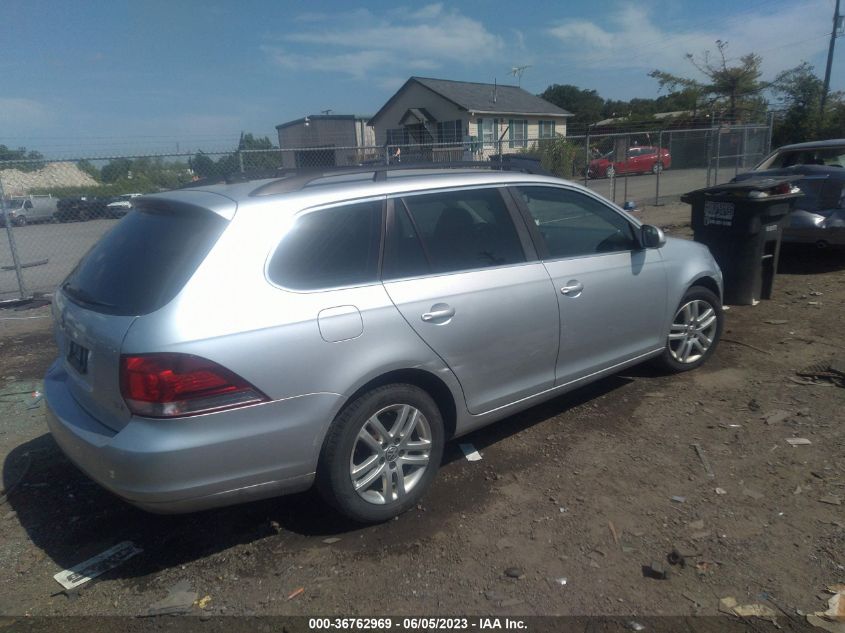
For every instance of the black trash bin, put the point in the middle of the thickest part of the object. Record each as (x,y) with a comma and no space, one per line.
(741,223)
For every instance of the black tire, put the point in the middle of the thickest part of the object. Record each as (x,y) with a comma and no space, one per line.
(669,360)
(334,479)
(657,167)
(611,172)
(21,220)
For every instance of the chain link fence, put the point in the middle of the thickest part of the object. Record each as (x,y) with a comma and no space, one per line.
(53,211)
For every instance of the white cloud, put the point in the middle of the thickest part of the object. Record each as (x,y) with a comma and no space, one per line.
(631,37)
(360,43)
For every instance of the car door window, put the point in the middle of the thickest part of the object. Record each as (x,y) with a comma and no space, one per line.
(330,248)
(456,230)
(572,224)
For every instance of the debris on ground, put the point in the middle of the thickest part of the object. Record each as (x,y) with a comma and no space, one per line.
(331,540)
(730,606)
(514,572)
(180,599)
(833,619)
(203,602)
(704,461)
(93,567)
(776,417)
(831,500)
(832,371)
(561,581)
(35,401)
(678,499)
(634,625)
(296,592)
(721,491)
(613,532)
(470,453)
(656,570)
(676,558)
(798,441)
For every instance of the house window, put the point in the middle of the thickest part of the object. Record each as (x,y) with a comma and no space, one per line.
(488,131)
(449,131)
(517,132)
(398,136)
(547,129)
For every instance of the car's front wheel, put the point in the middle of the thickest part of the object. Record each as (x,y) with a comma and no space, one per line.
(611,172)
(657,167)
(381,453)
(695,331)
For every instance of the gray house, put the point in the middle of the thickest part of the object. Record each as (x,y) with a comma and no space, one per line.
(447,115)
(325,140)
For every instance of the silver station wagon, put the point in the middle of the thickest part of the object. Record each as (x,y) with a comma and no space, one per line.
(241,341)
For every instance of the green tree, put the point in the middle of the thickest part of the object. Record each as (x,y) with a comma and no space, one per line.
(799,93)
(30,159)
(733,91)
(203,166)
(117,169)
(260,157)
(585,105)
(89,168)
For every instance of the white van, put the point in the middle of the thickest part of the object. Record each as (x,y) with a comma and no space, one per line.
(22,210)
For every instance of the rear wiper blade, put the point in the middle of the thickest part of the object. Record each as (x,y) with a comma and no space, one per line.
(84,297)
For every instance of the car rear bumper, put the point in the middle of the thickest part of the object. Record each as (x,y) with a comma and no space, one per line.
(189,464)
(823,236)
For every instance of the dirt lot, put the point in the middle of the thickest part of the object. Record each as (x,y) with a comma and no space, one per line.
(579,488)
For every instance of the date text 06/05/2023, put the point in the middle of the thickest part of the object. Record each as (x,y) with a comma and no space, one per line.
(416,624)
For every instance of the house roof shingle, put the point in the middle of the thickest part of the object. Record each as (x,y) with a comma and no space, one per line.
(483,98)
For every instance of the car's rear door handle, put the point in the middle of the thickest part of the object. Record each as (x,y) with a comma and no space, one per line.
(438,312)
(572,287)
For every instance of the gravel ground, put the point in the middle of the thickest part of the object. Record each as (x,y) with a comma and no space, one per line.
(592,487)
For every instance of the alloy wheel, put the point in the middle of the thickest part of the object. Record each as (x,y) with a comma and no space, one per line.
(391,454)
(693,331)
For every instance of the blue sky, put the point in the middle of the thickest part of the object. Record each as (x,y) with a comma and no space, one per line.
(97,78)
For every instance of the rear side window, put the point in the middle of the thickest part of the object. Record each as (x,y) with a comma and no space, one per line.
(144,261)
(330,248)
(456,230)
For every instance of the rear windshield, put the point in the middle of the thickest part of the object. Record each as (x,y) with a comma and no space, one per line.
(144,261)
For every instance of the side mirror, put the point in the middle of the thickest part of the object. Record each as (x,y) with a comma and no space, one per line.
(651,236)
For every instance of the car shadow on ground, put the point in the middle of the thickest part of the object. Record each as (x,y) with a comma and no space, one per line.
(70,518)
(801,259)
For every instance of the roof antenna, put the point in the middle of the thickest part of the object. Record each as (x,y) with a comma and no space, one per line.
(518,71)
(495,88)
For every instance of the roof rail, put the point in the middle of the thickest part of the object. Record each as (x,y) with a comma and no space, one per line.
(294,180)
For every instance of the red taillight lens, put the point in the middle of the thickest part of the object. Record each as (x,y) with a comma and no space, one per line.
(173,385)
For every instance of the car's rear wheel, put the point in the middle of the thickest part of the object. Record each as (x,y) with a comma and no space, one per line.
(695,331)
(657,167)
(381,453)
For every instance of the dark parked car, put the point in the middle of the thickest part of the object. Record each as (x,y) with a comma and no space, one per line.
(638,160)
(819,216)
(80,208)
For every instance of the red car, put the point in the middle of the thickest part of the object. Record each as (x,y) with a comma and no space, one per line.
(638,160)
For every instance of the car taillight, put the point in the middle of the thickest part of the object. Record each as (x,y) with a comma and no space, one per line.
(173,385)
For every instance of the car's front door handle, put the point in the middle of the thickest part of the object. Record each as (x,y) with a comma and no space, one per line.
(572,288)
(439,311)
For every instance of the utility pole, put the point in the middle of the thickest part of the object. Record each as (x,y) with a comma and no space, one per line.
(833,34)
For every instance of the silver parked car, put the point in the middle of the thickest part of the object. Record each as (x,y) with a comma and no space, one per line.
(242,341)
